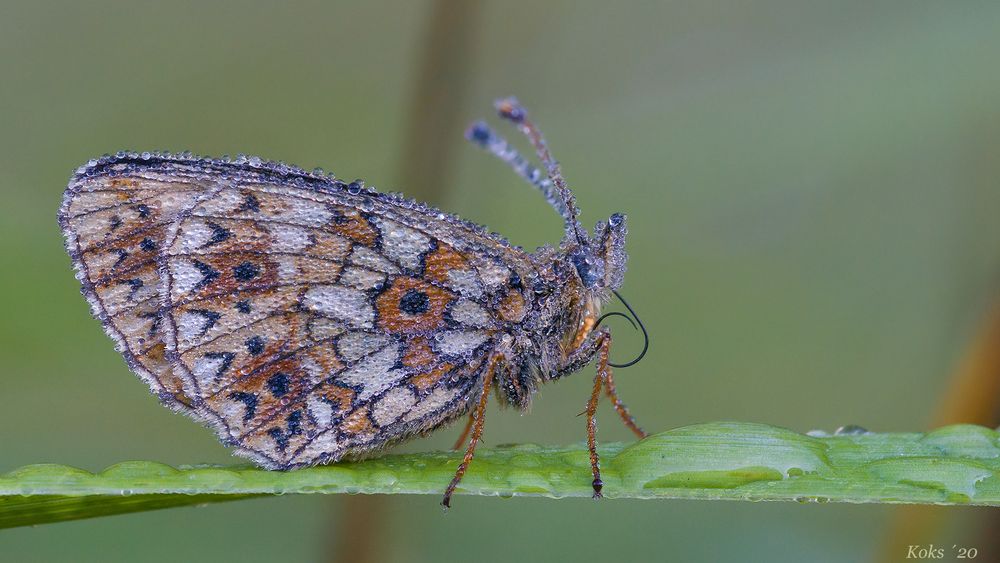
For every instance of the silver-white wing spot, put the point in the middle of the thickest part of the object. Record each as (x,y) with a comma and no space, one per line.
(470,313)
(355,345)
(209,367)
(403,244)
(289,238)
(221,204)
(193,235)
(393,405)
(494,275)
(460,343)
(185,278)
(368,258)
(360,278)
(321,411)
(440,397)
(466,283)
(323,328)
(300,211)
(191,325)
(375,373)
(348,305)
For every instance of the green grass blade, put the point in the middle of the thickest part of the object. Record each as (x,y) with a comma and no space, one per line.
(723,460)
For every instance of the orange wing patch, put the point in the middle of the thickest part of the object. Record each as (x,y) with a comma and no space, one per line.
(358,422)
(341,396)
(428,379)
(349,223)
(443,260)
(419,355)
(512,307)
(412,305)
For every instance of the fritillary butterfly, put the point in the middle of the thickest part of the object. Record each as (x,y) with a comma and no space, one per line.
(306,319)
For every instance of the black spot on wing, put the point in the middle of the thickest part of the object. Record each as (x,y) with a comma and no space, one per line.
(246,271)
(227,360)
(293,427)
(255,345)
(250,203)
(294,423)
(219,234)
(279,438)
(211,317)
(249,401)
(208,274)
(414,302)
(277,384)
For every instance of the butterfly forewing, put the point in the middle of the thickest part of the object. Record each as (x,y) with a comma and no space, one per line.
(302,318)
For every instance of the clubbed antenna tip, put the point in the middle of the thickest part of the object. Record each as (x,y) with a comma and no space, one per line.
(509,108)
(554,187)
(479,133)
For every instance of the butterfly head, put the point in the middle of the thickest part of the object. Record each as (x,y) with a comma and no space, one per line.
(600,260)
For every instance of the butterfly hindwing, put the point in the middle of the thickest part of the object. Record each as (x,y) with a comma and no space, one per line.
(114,229)
(302,318)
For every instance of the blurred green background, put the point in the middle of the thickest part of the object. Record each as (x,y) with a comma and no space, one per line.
(814,238)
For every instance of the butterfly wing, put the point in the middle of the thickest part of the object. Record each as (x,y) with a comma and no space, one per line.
(114,228)
(305,319)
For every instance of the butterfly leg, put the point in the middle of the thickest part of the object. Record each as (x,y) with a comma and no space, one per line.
(595,466)
(465,433)
(604,378)
(609,386)
(479,415)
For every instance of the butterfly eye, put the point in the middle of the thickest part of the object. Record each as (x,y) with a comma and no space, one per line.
(590,269)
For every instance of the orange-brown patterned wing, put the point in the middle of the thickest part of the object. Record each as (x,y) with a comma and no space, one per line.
(306,319)
(309,328)
(114,228)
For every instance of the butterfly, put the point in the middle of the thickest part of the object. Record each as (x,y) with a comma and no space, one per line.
(306,319)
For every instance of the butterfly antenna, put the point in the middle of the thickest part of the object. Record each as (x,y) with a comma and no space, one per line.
(481,134)
(511,110)
(554,186)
